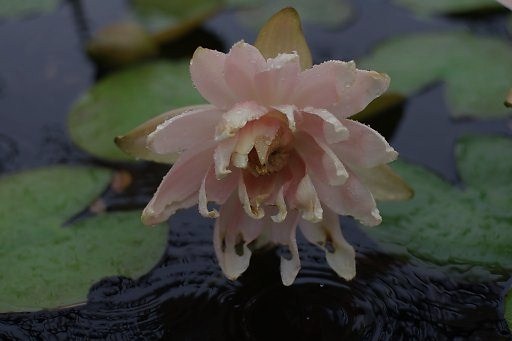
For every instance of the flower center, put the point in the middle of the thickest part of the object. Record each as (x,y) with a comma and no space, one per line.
(277,154)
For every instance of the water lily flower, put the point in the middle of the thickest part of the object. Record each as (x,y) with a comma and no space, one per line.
(275,149)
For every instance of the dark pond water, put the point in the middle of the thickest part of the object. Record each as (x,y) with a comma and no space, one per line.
(43,69)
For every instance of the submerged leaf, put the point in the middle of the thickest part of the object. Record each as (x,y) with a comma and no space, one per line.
(445,224)
(19,8)
(477,70)
(46,265)
(125,100)
(283,34)
(449,6)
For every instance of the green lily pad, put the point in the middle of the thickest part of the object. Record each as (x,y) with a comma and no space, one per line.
(169,20)
(476,70)
(449,6)
(126,99)
(20,8)
(46,265)
(326,13)
(449,225)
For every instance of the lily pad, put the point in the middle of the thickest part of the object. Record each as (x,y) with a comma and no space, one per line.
(169,20)
(449,225)
(325,13)
(476,70)
(44,264)
(20,8)
(449,6)
(125,100)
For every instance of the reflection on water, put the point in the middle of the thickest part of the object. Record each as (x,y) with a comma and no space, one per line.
(186,297)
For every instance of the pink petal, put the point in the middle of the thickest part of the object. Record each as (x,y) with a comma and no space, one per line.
(327,235)
(222,156)
(207,72)
(254,192)
(183,131)
(276,84)
(352,198)
(321,123)
(232,233)
(506,3)
(255,134)
(364,148)
(215,190)
(285,234)
(236,118)
(307,200)
(320,160)
(289,112)
(242,63)
(367,86)
(181,182)
(319,86)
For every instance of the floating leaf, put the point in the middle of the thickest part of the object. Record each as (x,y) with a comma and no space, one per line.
(446,224)
(477,70)
(19,8)
(127,99)
(169,20)
(327,13)
(449,6)
(283,34)
(46,265)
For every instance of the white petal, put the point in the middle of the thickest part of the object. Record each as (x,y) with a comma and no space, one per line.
(222,156)
(236,118)
(280,216)
(308,201)
(289,112)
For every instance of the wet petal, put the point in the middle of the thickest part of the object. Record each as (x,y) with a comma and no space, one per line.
(236,118)
(284,233)
(258,135)
(307,200)
(207,72)
(367,86)
(276,84)
(134,142)
(222,156)
(229,241)
(182,181)
(320,160)
(289,112)
(183,131)
(320,122)
(364,148)
(280,203)
(327,235)
(319,86)
(352,198)
(242,63)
